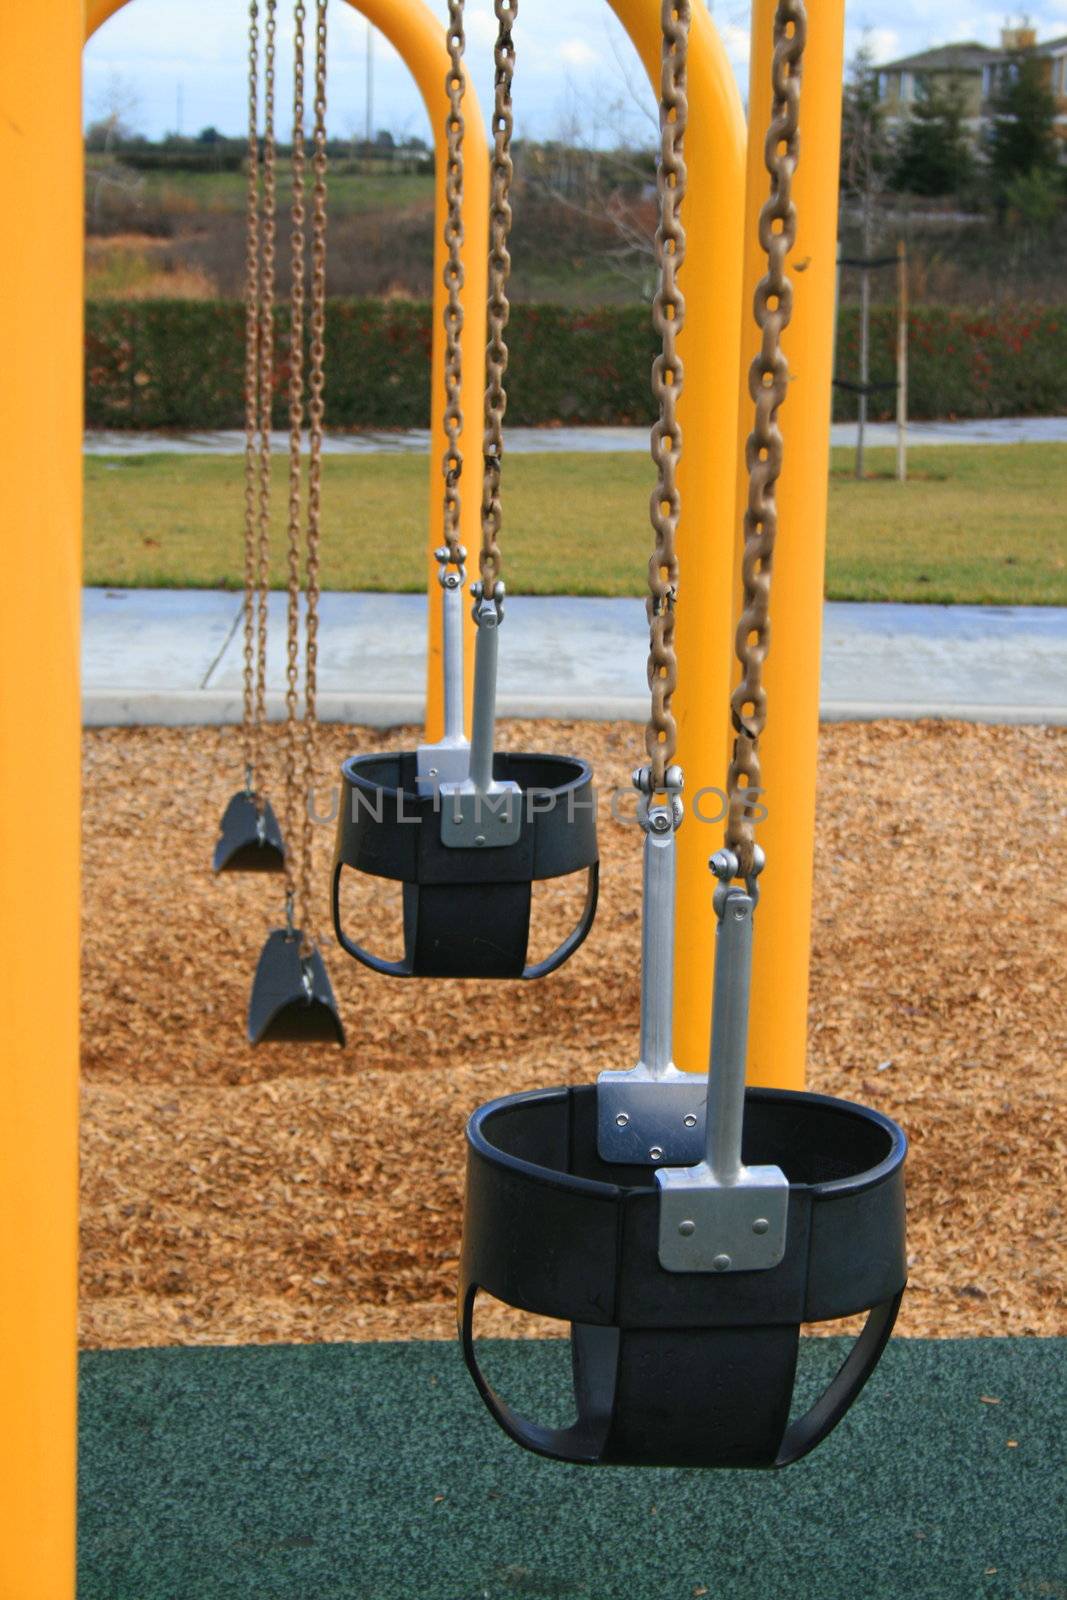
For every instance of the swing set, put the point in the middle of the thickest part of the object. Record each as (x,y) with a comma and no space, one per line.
(682,1224)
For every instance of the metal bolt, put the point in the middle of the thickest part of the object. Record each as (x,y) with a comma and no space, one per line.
(622,1119)
(479,838)
(690,1119)
(660,822)
(656,1153)
(760,1225)
(687,1229)
(433,772)
(740,915)
(721,1263)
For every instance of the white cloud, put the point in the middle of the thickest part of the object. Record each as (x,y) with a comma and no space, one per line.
(885,42)
(479,25)
(738,42)
(577,53)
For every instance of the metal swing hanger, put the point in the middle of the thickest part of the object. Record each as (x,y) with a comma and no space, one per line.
(487,824)
(250,839)
(716,1214)
(448,760)
(654,1112)
(477,809)
(292,999)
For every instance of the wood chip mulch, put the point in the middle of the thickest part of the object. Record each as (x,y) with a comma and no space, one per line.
(239,1196)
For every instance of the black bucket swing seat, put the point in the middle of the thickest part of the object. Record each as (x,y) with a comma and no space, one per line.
(467,830)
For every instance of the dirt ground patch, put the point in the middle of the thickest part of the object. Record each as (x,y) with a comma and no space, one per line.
(239,1196)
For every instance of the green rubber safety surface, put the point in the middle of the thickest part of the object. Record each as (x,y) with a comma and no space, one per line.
(371,1472)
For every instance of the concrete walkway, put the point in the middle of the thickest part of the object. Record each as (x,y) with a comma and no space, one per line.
(175,657)
(533,441)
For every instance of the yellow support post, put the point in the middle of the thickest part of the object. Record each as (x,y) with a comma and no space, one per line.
(710,347)
(789,748)
(419,37)
(40,732)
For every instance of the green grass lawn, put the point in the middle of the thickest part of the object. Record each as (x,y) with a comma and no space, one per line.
(185,193)
(975,525)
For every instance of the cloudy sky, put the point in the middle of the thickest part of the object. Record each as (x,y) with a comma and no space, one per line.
(179,63)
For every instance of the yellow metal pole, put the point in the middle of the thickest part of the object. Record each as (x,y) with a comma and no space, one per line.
(789,748)
(419,37)
(40,731)
(710,346)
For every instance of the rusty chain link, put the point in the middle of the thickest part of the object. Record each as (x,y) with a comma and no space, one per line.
(298,247)
(251,385)
(668,374)
(499,310)
(768,386)
(452,464)
(266,369)
(316,415)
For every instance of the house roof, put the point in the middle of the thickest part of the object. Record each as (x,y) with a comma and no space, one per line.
(967,57)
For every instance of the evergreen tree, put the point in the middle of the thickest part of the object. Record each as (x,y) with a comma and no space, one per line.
(933,155)
(1021,138)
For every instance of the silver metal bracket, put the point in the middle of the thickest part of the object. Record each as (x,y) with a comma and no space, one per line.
(719,1215)
(477,812)
(440,764)
(654,1112)
(449,760)
(643,1117)
(707,1226)
(480,819)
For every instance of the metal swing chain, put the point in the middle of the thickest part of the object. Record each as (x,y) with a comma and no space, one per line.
(298,244)
(499,309)
(768,386)
(316,414)
(266,369)
(452,464)
(252,288)
(668,375)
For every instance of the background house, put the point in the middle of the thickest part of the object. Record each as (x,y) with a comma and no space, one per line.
(974,72)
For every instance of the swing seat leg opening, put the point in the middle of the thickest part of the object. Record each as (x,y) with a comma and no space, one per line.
(250,840)
(292,999)
(684,1369)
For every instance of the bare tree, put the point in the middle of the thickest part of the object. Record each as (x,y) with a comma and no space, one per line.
(864,168)
(117,107)
(592,170)
(865,146)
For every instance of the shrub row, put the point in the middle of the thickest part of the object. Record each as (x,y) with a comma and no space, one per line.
(962,362)
(180,364)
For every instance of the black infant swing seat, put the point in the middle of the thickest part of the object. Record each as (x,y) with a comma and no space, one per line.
(682,1368)
(467,910)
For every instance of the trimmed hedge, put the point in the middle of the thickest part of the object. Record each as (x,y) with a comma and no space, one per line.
(180,364)
(1007,362)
